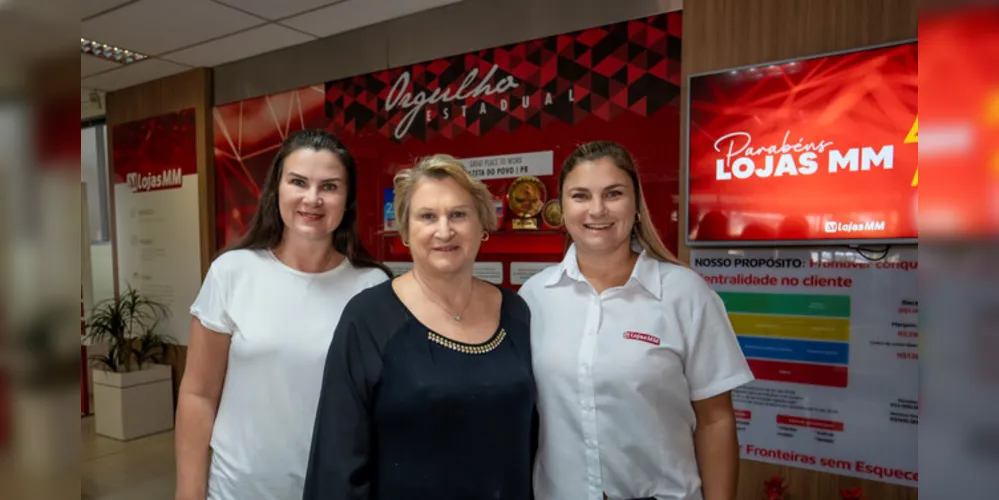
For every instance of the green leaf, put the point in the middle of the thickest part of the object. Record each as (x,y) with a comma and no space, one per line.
(127,325)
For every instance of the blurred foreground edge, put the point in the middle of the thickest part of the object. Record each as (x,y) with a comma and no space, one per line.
(959,250)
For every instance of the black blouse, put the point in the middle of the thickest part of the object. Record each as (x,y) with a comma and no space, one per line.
(406,414)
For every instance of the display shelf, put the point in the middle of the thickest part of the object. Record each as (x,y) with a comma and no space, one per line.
(508,242)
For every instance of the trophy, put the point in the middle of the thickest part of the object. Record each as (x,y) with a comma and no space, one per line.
(552,213)
(526,198)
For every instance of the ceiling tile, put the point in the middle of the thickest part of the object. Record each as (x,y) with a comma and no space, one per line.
(273,9)
(353,14)
(154,26)
(239,46)
(90,65)
(91,7)
(133,74)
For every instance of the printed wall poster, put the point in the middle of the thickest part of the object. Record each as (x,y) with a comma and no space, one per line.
(507,113)
(833,341)
(156,210)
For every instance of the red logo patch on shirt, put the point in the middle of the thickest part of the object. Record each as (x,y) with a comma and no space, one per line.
(644,337)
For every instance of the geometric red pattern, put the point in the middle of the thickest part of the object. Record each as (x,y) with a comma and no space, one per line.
(629,67)
(618,82)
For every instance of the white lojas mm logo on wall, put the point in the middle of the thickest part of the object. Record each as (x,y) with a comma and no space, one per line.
(172,178)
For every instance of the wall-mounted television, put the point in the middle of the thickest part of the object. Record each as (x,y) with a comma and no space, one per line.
(810,151)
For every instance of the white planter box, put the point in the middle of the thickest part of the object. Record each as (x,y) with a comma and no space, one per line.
(133,404)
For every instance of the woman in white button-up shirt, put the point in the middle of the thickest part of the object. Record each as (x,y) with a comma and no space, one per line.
(633,353)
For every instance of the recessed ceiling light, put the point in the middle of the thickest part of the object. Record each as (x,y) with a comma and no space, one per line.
(110,52)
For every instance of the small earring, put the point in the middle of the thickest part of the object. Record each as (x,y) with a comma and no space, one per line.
(485,235)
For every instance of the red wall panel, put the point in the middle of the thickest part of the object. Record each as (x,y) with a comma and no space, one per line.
(619,82)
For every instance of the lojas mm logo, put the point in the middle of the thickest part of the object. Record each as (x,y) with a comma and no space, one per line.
(168,179)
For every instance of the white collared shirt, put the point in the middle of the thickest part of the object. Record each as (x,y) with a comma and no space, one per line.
(616,374)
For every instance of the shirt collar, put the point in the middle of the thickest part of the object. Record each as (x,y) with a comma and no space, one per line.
(645,273)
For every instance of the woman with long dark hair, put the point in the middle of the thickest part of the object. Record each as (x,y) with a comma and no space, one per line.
(262,324)
(633,353)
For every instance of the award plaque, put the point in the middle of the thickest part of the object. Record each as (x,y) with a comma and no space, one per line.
(526,197)
(552,214)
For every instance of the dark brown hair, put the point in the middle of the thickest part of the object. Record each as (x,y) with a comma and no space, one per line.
(643,229)
(266,227)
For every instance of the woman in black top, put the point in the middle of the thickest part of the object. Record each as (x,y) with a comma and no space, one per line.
(428,391)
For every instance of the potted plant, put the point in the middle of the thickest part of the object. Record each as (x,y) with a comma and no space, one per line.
(133,390)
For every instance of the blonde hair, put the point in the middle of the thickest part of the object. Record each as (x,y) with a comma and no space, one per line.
(441,166)
(643,231)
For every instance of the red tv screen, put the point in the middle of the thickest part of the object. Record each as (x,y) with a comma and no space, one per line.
(809,151)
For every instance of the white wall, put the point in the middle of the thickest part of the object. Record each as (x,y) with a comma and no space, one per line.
(93,159)
(102,269)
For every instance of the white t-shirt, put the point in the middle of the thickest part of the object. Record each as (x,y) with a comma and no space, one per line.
(281,321)
(616,374)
